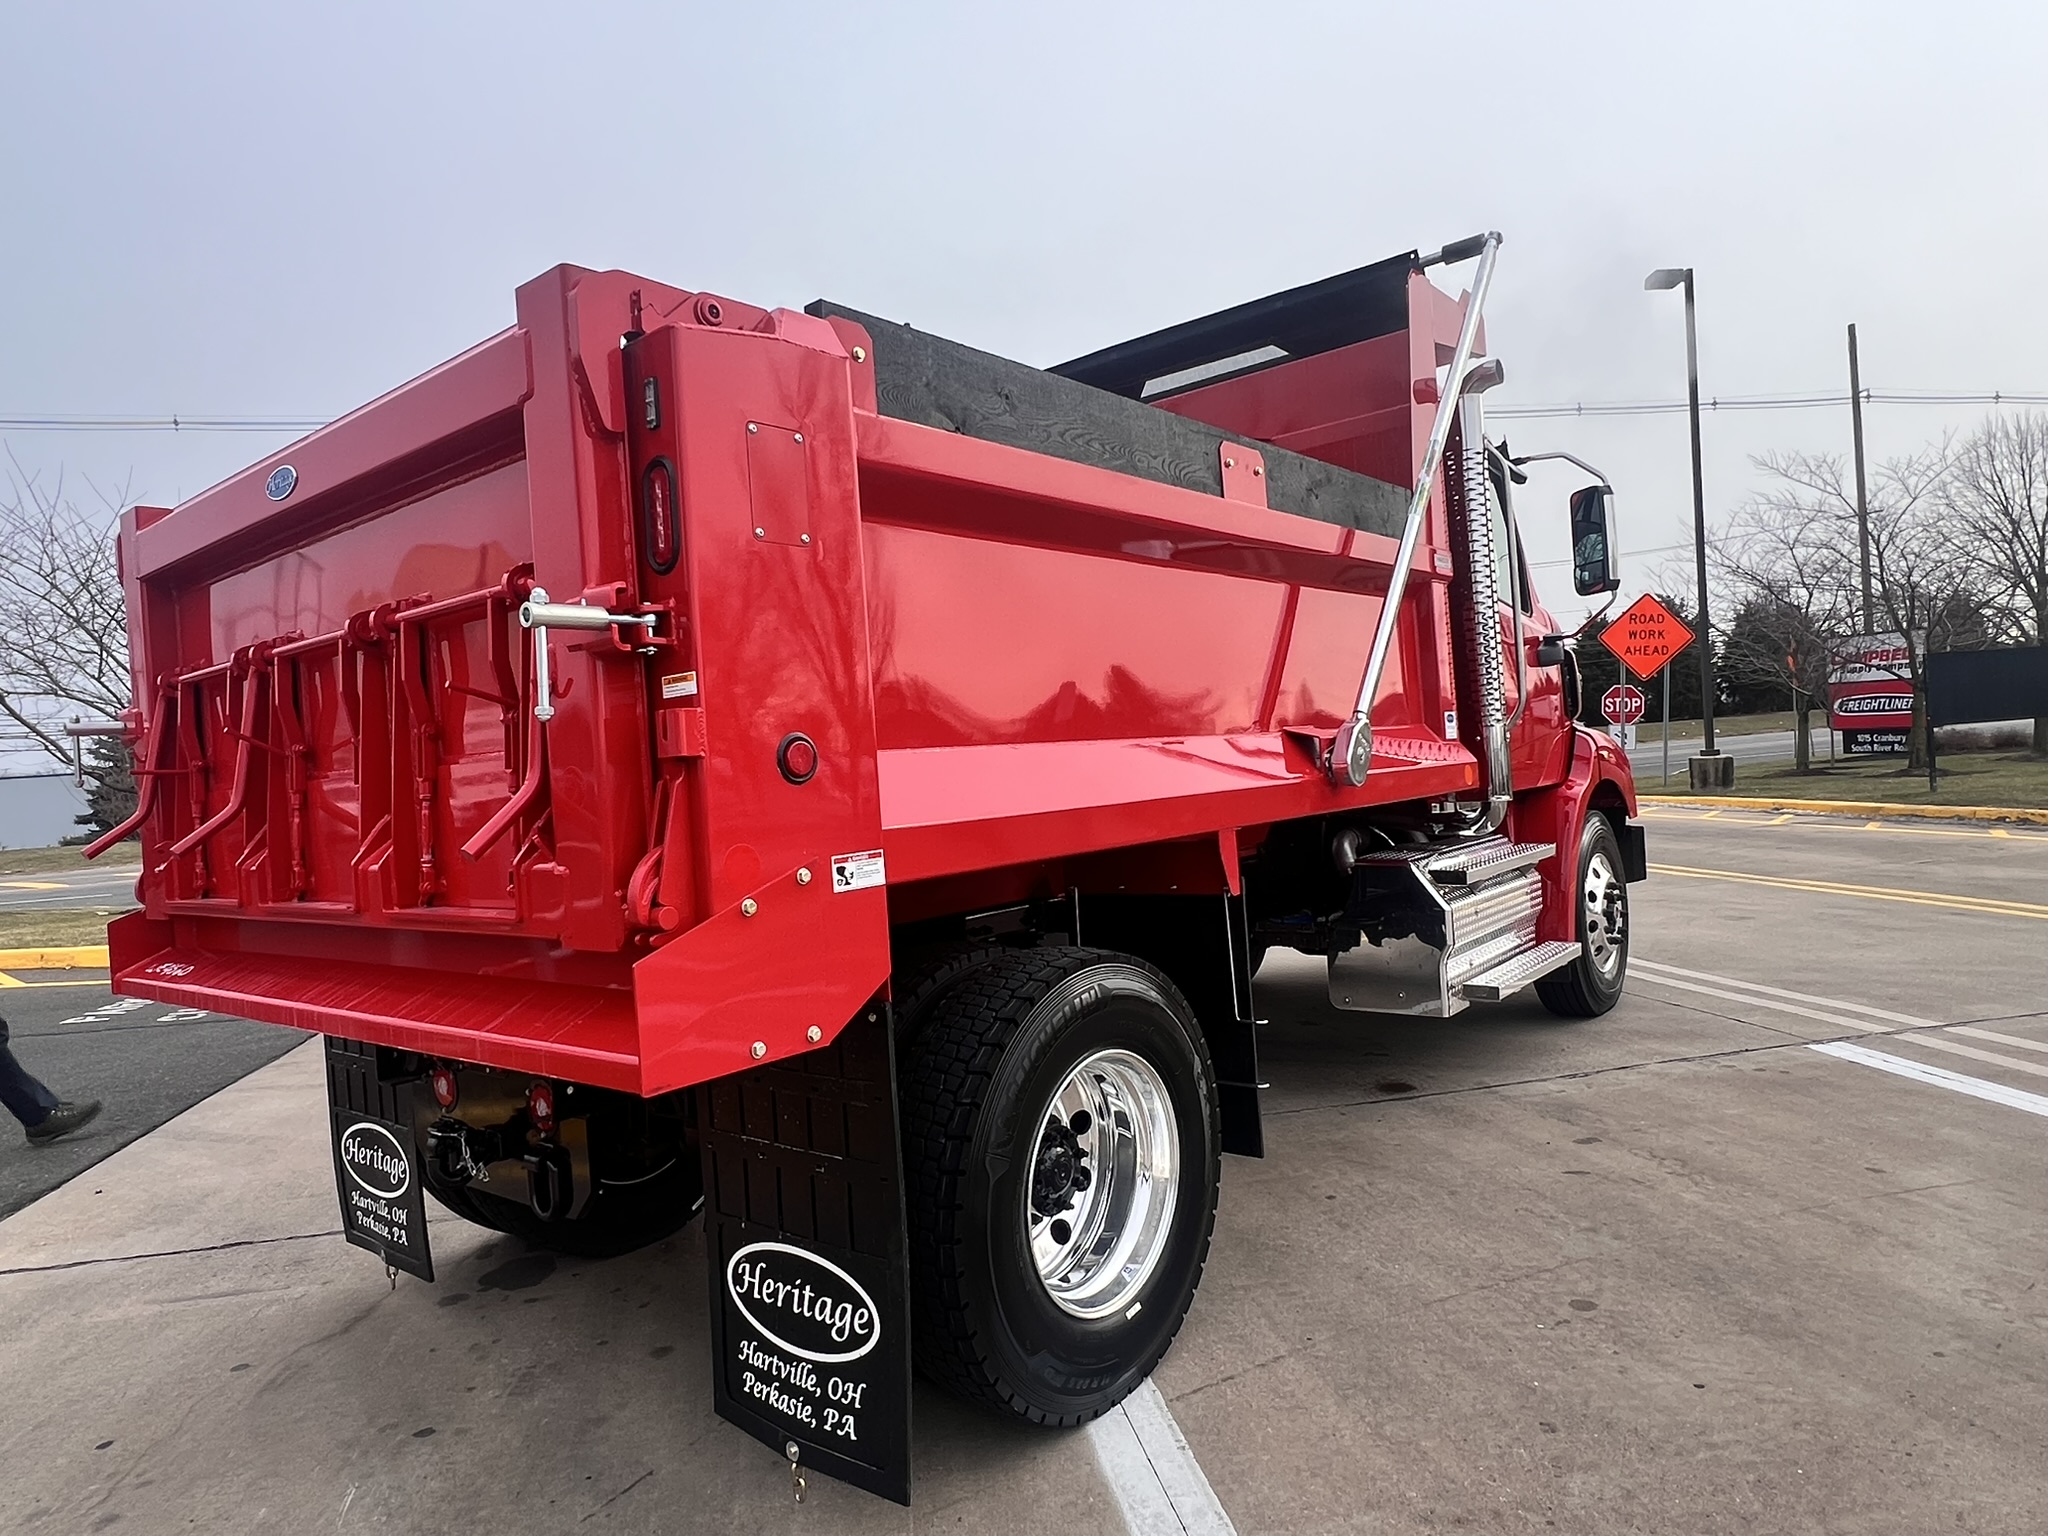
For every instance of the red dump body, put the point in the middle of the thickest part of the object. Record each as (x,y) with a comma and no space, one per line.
(1022,674)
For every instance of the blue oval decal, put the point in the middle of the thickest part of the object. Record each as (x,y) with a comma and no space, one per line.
(803,1303)
(281,483)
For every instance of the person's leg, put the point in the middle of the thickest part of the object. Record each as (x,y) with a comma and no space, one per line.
(26,1098)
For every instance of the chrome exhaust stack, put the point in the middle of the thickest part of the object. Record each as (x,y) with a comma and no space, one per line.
(1471,526)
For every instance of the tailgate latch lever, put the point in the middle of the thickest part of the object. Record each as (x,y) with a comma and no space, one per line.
(540,616)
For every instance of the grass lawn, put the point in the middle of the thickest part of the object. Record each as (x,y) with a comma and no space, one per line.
(54,929)
(1967,778)
(40,861)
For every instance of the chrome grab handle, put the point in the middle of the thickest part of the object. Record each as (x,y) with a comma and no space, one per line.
(1351,752)
(540,615)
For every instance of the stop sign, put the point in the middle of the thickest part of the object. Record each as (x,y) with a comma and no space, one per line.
(1623,704)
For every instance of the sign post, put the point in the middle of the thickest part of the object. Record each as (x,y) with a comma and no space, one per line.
(1667,725)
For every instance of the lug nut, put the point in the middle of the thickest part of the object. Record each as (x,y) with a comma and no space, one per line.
(814,1034)
(803,877)
(760,1049)
(749,907)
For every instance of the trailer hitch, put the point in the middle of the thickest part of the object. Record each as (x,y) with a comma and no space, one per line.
(540,615)
(461,1155)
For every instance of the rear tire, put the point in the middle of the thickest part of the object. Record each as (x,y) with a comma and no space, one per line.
(928,975)
(1592,983)
(1055,1250)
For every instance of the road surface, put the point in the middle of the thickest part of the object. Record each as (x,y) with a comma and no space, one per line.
(1759,1251)
(1647,758)
(112,887)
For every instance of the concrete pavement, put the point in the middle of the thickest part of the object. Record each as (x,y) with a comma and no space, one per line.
(1672,1270)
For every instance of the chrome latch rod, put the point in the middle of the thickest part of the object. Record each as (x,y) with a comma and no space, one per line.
(79,729)
(1351,752)
(540,616)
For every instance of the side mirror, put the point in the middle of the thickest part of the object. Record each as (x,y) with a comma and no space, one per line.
(1595,563)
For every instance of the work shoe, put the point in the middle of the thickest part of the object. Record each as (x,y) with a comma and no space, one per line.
(62,1121)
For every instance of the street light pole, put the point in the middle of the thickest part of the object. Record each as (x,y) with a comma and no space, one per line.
(1862,504)
(1710,770)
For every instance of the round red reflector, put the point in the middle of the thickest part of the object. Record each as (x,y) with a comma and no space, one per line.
(797,757)
(540,1104)
(446,1091)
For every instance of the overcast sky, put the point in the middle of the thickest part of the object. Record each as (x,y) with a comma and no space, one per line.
(271,209)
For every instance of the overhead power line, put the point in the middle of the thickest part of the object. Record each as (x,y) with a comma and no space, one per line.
(1815,400)
(161,423)
(1807,402)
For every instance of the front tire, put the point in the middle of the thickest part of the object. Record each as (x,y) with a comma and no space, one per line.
(1063,1153)
(1592,983)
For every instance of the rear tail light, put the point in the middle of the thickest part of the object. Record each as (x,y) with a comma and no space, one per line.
(540,1106)
(446,1089)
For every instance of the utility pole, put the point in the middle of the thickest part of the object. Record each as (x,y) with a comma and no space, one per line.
(1862,503)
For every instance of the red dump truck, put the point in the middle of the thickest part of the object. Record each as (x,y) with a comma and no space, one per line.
(785,766)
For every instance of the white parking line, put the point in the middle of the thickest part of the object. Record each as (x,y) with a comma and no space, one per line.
(1839,1021)
(1658,972)
(1158,1484)
(1996,1038)
(1940,1077)
(2011,1063)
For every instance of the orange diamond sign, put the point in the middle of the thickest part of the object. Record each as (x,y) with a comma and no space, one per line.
(1646,637)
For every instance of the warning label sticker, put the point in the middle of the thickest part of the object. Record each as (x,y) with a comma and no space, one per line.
(857,871)
(679,685)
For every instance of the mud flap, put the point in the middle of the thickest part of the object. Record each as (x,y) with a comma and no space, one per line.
(376,1163)
(804,1229)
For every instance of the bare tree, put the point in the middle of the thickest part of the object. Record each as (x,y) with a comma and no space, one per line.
(1997,494)
(1923,581)
(63,626)
(1793,585)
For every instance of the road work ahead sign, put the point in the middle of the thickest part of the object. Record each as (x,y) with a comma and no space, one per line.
(1646,637)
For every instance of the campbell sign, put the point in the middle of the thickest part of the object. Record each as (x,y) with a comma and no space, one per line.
(375,1160)
(1870,693)
(803,1303)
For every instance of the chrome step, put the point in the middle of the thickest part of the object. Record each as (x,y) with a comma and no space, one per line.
(1511,975)
(1484,859)
(1476,914)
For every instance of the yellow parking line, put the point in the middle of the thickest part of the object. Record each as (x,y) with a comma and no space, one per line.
(33,885)
(1985,904)
(1830,824)
(11,981)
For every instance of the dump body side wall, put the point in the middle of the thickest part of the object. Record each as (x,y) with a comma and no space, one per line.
(1022,672)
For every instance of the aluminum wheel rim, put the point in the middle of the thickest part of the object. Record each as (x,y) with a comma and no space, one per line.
(1105,1176)
(1606,915)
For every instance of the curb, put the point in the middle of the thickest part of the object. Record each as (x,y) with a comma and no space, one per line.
(78,957)
(1871,808)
